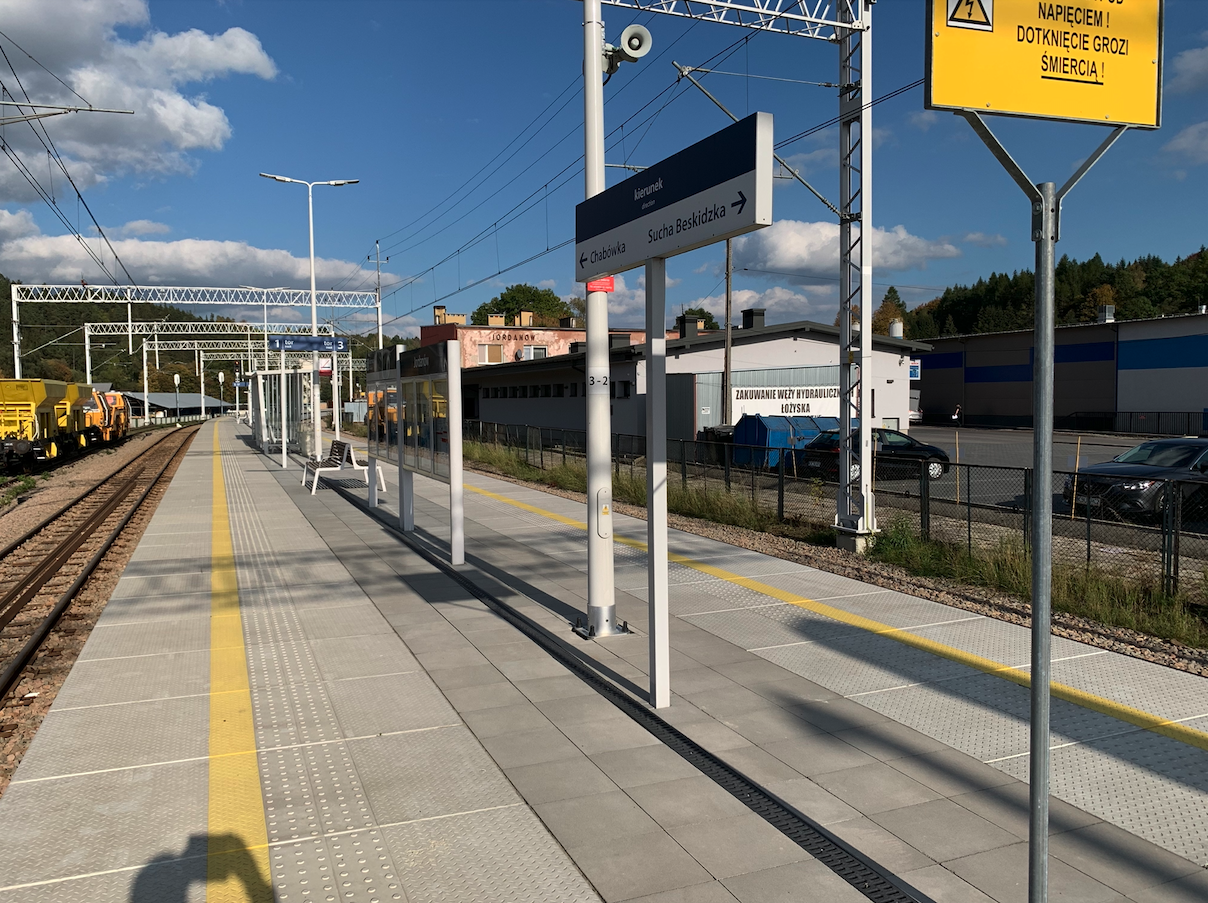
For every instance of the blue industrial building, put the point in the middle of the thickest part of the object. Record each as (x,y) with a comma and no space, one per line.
(1131,375)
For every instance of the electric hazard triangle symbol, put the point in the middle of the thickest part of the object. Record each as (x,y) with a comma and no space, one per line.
(978,14)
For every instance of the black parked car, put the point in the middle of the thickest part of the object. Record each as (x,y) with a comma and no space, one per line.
(1133,485)
(897,455)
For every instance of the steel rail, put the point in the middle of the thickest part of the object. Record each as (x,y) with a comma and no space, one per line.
(13,670)
(47,521)
(30,584)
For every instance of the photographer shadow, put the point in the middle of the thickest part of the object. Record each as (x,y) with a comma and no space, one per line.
(207,859)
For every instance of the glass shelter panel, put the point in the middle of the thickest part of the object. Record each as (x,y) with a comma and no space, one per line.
(410,426)
(440,427)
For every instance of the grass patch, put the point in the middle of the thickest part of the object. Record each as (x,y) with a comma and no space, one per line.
(718,506)
(22,486)
(355,429)
(1007,567)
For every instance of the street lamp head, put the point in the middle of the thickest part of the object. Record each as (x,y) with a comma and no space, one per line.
(338,182)
(176,379)
(276,178)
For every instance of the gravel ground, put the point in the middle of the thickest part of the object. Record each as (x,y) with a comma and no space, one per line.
(26,706)
(975,599)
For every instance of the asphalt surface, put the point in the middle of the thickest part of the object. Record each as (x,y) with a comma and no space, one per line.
(1013,448)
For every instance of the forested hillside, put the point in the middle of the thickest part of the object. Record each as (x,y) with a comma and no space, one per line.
(1146,287)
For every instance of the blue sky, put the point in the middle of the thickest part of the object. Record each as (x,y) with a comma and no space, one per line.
(482,101)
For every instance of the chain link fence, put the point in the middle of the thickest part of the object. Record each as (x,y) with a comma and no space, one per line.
(1154,535)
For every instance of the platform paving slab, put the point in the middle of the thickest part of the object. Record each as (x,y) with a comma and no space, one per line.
(325,787)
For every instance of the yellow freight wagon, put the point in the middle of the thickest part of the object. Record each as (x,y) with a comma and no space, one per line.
(42,419)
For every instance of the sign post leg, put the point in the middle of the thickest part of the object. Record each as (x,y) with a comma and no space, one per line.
(406,499)
(656,481)
(1044,233)
(373,478)
(457,515)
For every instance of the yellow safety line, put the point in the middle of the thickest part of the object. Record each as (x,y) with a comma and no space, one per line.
(1150,722)
(237,861)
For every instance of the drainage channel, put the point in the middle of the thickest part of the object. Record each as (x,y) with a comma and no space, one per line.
(862,873)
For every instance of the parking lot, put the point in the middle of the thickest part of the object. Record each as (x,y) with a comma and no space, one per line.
(1013,448)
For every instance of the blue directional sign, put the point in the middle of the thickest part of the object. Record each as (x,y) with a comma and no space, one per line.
(717,188)
(307,343)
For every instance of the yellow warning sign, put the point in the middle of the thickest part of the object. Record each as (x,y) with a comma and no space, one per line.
(1082,60)
(977,14)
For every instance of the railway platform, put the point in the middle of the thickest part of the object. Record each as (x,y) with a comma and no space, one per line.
(285,701)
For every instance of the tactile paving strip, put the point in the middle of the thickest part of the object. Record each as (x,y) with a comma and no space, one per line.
(310,784)
(1166,808)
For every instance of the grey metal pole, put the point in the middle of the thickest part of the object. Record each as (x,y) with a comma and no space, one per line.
(727,412)
(87,353)
(314,329)
(601,599)
(284,424)
(868,518)
(201,380)
(16,333)
(1044,234)
(146,391)
(656,482)
(377,249)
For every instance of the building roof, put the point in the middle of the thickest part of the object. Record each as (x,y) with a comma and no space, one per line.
(709,340)
(1029,330)
(168,400)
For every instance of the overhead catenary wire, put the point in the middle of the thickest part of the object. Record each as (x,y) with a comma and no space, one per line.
(520,208)
(43,136)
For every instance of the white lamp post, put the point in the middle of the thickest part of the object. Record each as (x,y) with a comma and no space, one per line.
(314,315)
(221,380)
(176,380)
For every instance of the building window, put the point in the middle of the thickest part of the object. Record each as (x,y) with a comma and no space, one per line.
(524,392)
(513,392)
(495,392)
(546,391)
(490,354)
(559,390)
(535,352)
(625,389)
(535,392)
(486,393)
(574,390)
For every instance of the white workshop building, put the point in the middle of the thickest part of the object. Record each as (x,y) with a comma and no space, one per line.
(789,368)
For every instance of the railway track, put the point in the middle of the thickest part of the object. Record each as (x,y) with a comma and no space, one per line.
(42,572)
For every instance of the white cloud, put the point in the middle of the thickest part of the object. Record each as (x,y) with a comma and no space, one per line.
(814,161)
(1188,71)
(781,303)
(32,257)
(922,120)
(1191,143)
(810,251)
(982,240)
(548,283)
(16,225)
(80,44)
(138,227)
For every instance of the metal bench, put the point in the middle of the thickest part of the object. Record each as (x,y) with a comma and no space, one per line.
(341,457)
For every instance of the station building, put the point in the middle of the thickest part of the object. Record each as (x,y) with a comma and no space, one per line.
(789,368)
(1124,375)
